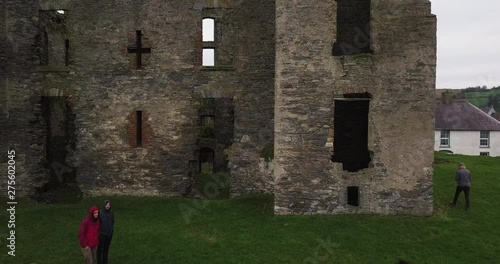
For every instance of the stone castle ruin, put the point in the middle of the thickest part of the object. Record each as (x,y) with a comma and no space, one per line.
(137,97)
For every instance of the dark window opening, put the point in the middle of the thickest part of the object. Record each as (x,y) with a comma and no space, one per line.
(44,48)
(353,27)
(207,156)
(208,126)
(60,138)
(353,195)
(207,120)
(51,42)
(216,123)
(484,154)
(139,128)
(139,133)
(351,134)
(66,53)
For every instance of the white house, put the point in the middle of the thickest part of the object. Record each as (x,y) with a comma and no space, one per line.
(462,128)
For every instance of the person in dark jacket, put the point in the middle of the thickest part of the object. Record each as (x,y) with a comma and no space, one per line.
(463,178)
(88,235)
(106,234)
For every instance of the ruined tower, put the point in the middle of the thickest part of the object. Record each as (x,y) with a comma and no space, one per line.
(354,108)
(136,97)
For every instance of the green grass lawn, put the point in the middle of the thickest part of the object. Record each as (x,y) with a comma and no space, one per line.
(159,230)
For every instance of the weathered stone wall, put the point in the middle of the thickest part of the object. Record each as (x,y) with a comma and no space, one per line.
(168,88)
(20,117)
(254,100)
(224,131)
(104,90)
(399,75)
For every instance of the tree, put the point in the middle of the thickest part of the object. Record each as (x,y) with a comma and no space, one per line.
(494,100)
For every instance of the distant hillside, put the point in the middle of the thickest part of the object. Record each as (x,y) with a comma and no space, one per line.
(482,97)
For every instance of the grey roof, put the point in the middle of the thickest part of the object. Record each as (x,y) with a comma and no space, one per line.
(461,115)
(487,109)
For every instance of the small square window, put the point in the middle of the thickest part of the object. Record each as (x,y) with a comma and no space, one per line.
(208,57)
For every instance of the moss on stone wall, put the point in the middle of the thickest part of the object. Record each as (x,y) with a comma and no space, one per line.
(267,152)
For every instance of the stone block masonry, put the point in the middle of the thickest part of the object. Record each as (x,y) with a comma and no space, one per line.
(130,75)
(315,84)
(114,93)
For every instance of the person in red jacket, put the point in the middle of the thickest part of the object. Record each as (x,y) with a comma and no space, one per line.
(88,235)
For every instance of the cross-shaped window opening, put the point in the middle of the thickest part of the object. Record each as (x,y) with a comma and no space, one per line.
(138,49)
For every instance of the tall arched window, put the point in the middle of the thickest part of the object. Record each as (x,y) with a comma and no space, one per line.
(208,38)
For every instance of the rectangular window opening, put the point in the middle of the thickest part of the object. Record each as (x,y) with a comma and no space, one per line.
(208,29)
(484,154)
(208,59)
(484,139)
(52,40)
(445,138)
(353,195)
(207,126)
(353,27)
(351,133)
(208,42)
(139,128)
(66,44)
(44,51)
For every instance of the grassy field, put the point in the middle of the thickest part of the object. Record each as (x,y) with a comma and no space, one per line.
(157,230)
(480,98)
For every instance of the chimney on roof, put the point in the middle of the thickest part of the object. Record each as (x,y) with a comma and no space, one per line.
(447,97)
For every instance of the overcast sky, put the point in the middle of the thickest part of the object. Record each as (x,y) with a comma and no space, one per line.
(468,43)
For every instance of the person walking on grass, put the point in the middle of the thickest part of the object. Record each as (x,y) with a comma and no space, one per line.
(463,178)
(106,233)
(88,235)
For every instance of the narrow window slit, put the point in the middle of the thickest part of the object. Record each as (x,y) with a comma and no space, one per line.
(66,51)
(139,128)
